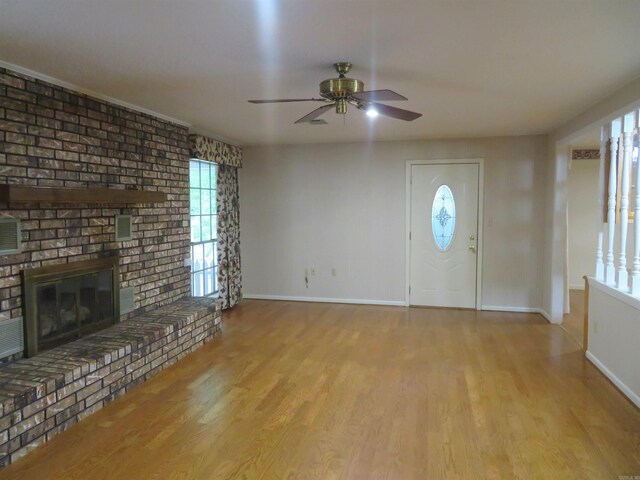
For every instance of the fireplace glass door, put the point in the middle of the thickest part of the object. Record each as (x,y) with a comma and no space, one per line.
(66,302)
(72,307)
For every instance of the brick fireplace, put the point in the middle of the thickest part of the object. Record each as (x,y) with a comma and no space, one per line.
(54,137)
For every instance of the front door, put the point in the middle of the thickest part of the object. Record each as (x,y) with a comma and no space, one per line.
(443,235)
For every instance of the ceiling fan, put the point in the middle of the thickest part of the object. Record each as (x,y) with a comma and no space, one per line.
(341,91)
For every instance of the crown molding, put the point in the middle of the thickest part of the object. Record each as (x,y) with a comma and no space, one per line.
(91,93)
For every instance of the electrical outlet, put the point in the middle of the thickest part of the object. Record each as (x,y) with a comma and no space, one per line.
(312,271)
(333,271)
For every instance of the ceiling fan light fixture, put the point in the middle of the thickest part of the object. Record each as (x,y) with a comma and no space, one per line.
(341,106)
(371,112)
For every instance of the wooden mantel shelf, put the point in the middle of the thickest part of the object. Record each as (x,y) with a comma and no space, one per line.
(111,196)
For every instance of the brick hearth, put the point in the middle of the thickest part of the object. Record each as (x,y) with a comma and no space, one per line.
(44,395)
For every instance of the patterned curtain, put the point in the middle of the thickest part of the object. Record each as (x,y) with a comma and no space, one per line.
(229,272)
(229,159)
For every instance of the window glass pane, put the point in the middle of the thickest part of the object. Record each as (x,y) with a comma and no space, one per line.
(443,217)
(208,281)
(206,201)
(213,202)
(194,174)
(214,226)
(205,175)
(194,201)
(198,284)
(208,255)
(195,228)
(206,228)
(214,169)
(198,257)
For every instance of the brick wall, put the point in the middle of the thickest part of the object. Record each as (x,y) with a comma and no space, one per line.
(52,136)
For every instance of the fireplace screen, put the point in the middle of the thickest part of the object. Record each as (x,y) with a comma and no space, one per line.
(65,302)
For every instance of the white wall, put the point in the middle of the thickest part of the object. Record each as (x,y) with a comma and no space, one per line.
(582,214)
(614,331)
(617,103)
(343,206)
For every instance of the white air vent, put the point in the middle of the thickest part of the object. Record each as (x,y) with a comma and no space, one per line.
(10,237)
(127,300)
(11,337)
(124,231)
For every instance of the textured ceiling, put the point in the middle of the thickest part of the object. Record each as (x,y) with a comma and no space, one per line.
(473,68)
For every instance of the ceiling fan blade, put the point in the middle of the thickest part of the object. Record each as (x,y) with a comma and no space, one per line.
(316,113)
(378,96)
(394,112)
(286,100)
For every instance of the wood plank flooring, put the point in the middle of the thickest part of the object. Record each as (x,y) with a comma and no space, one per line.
(573,322)
(318,391)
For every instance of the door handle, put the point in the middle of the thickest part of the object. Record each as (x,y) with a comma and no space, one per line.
(472,248)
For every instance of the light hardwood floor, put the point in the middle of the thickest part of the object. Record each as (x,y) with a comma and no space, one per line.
(573,322)
(317,391)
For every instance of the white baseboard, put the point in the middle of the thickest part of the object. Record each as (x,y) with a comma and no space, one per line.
(615,380)
(393,303)
(354,301)
(493,308)
(509,309)
(546,315)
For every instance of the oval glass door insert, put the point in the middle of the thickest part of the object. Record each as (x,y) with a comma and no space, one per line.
(443,217)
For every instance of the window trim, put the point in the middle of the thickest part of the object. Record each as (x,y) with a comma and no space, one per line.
(213,214)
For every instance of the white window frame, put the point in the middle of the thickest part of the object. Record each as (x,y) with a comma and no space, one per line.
(204,279)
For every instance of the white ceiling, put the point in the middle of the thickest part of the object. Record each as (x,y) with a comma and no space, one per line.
(473,68)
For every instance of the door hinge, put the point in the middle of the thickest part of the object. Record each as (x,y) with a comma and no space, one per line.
(409,235)
(411,180)
(409,289)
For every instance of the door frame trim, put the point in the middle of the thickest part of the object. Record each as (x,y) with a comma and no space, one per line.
(411,163)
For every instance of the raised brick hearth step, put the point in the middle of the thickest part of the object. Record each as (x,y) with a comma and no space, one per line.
(42,396)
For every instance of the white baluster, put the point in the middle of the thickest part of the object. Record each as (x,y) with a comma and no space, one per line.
(635,274)
(604,136)
(610,270)
(625,185)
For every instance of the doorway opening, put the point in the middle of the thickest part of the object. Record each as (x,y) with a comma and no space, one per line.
(582,227)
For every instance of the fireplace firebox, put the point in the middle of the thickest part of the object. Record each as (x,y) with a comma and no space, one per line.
(64,302)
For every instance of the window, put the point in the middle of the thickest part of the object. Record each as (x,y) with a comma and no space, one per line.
(202,201)
(443,217)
